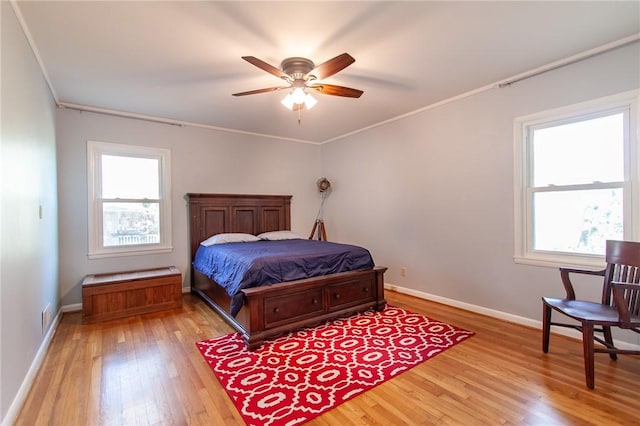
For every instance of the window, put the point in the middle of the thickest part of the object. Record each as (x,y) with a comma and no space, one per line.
(576,185)
(129,199)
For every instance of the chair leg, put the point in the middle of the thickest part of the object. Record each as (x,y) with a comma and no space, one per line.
(587,343)
(546,327)
(609,339)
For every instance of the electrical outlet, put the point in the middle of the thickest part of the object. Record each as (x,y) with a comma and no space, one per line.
(403,272)
(46,317)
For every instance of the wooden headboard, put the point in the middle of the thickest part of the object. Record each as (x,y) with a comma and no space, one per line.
(211,214)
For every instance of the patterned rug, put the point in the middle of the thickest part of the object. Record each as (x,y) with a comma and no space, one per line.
(296,377)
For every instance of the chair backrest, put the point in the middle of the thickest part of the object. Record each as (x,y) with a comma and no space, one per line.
(626,298)
(623,266)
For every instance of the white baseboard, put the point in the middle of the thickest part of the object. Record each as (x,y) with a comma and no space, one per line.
(528,322)
(72,308)
(25,387)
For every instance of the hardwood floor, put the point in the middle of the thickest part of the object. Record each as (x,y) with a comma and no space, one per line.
(146,370)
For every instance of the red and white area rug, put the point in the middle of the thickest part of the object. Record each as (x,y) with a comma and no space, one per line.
(296,377)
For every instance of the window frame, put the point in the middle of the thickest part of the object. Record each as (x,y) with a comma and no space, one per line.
(523,163)
(96,248)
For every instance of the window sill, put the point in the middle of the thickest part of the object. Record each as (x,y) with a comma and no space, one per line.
(129,252)
(561,261)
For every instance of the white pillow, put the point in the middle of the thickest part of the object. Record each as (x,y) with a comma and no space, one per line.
(280,235)
(233,237)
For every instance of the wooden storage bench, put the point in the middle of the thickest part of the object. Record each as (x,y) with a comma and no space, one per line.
(122,294)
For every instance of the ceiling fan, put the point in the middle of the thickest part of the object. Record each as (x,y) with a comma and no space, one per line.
(302,76)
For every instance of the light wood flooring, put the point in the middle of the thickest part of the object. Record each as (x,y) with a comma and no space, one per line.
(146,370)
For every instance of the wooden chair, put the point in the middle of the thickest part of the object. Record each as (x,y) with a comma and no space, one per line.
(620,305)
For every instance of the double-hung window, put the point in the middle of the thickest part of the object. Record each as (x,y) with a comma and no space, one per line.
(576,185)
(129,199)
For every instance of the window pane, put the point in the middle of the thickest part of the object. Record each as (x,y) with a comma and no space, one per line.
(130,224)
(577,221)
(130,177)
(579,153)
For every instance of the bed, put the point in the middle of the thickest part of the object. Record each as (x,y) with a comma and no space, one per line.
(270,310)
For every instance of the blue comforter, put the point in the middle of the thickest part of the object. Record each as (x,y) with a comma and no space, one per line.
(243,265)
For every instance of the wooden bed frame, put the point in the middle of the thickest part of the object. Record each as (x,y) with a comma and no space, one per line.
(274,309)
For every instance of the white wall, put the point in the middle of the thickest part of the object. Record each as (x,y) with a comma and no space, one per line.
(28,243)
(202,160)
(433,192)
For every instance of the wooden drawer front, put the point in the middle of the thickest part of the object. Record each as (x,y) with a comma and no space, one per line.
(351,293)
(290,307)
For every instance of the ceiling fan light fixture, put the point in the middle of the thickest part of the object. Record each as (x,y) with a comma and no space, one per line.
(298,98)
(288,101)
(310,101)
(298,95)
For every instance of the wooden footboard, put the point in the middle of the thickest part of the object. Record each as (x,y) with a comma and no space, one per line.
(275,309)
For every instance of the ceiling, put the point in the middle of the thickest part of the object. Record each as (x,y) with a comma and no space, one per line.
(182,60)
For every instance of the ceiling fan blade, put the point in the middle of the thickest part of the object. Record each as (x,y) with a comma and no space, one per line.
(266,67)
(255,92)
(330,89)
(332,66)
